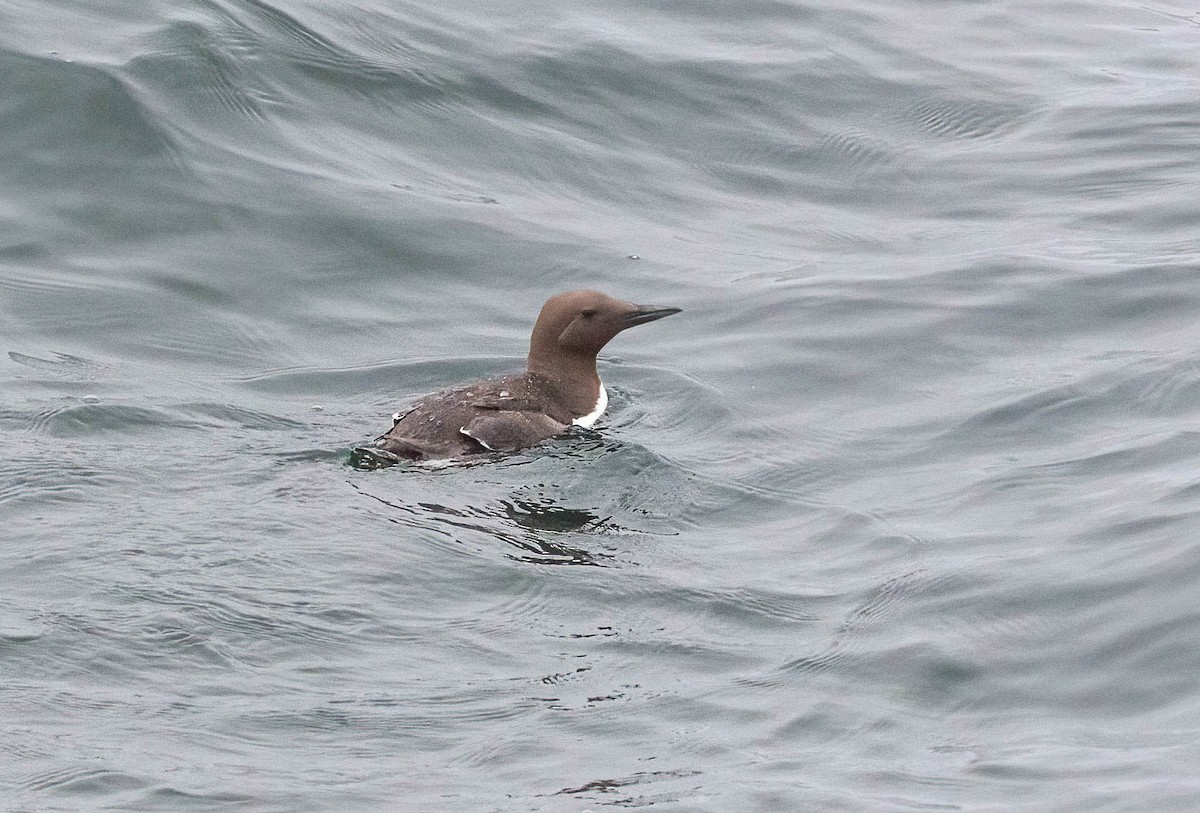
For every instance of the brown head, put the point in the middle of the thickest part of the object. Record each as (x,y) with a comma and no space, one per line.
(573,327)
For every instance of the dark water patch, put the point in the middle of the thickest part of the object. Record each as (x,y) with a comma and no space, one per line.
(965,119)
(85,782)
(537,530)
(858,151)
(170,798)
(290,29)
(75,118)
(242,417)
(1140,294)
(16,634)
(17,249)
(246,54)
(70,378)
(95,164)
(191,289)
(1156,525)
(420,83)
(88,421)
(59,362)
(372,458)
(618,791)
(1051,407)
(197,64)
(543,515)
(259,63)
(315,455)
(396,36)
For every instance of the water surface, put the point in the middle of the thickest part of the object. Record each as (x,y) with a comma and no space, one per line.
(899,514)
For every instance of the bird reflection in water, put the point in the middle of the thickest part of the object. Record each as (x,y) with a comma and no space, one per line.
(529,526)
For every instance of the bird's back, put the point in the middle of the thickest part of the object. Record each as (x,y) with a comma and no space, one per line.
(495,414)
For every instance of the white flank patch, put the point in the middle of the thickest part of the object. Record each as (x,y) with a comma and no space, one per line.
(464,431)
(601,404)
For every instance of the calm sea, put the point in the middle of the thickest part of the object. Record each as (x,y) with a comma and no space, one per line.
(901,513)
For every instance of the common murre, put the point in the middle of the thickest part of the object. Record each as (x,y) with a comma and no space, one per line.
(560,387)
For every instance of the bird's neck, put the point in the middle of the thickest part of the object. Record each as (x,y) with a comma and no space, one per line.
(572,377)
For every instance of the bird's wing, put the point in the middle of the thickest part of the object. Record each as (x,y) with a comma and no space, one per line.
(507,403)
(507,431)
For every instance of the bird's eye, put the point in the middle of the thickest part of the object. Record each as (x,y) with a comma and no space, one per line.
(588,313)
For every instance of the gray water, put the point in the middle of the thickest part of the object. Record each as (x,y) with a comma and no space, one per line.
(901,513)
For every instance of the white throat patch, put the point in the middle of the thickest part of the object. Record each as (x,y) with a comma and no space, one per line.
(601,404)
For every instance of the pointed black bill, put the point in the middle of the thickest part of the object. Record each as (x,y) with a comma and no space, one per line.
(647,313)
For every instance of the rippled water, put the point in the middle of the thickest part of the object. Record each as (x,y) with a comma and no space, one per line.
(900,513)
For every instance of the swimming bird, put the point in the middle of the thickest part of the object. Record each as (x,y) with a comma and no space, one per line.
(559,388)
